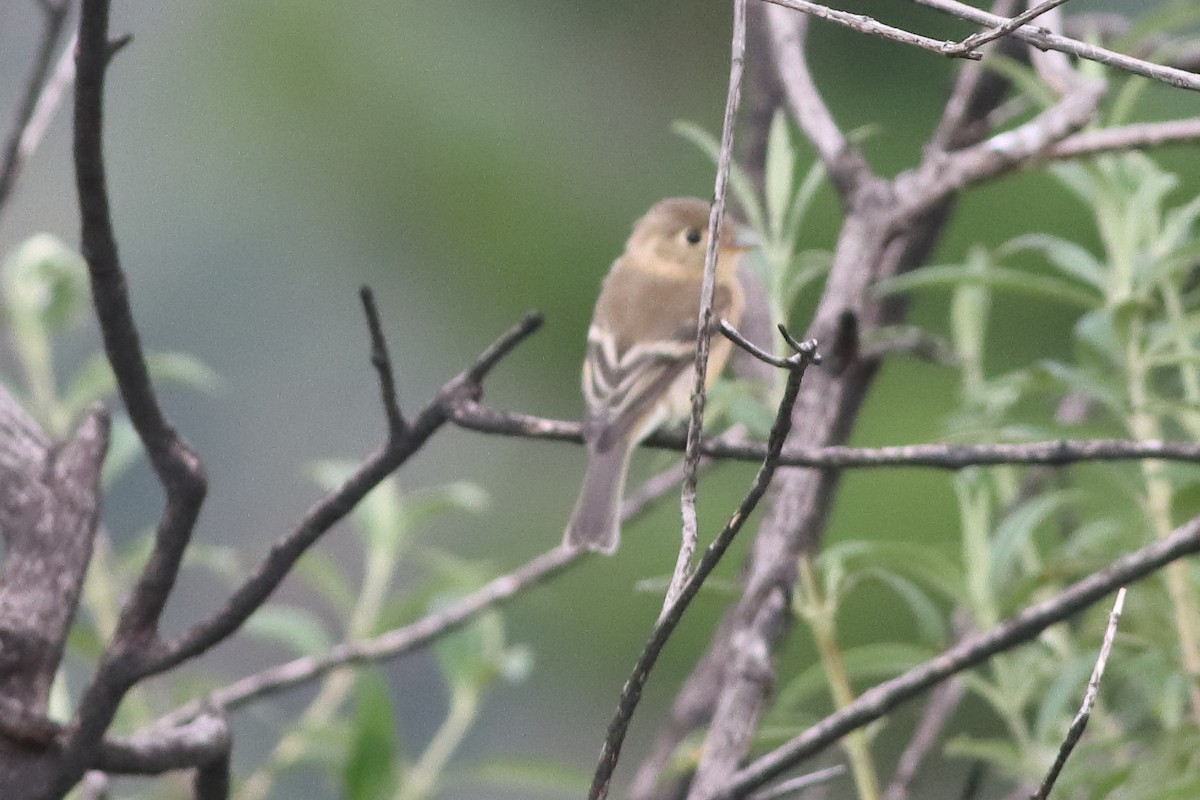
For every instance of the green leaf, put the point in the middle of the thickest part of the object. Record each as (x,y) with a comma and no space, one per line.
(471,656)
(372,767)
(778,172)
(929,618)
(294,628)
(1069,258)
(1011,280)
(800,203)
(1016,530)
(866,662)
(927,565)
(47,280)
(806,268)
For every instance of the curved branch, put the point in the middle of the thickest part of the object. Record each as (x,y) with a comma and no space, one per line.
(14,152)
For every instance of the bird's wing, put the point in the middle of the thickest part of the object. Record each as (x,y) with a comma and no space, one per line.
(622,388)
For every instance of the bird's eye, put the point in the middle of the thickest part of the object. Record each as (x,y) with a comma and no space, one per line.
(692,236)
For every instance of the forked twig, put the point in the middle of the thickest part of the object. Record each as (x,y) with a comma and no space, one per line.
(1089,701)
(631,694)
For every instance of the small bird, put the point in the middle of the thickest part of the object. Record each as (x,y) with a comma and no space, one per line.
(641,347)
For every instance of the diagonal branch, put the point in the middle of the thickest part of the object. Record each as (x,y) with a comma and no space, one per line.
(1022,627)
(1075,732)
(337,504)
(1003,29)
(297,672)
(16,150)
(1045,40)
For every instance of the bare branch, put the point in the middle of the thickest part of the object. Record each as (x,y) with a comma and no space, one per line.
(1004,29)
(1139,136)
(1022,627)
(212,779)
(632,692)
(691,459)
(798,784)
(19,144)
(155,751)
(337,504)
(873,27)
(177,467)
(1058,452)
(1044,40)
(94,786)
(389,645)
(1089,701)
(382,363)
(936,179)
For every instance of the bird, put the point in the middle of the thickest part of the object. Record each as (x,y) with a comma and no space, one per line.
(641,347)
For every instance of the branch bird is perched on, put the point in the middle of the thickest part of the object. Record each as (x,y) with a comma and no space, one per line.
(641,346)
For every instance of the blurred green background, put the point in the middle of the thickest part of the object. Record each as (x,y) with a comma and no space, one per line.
(469,161)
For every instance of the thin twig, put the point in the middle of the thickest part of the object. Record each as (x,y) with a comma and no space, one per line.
(1089,701)
(14,154)
(1004,29)
(731,333)
(691,459)
(382,363)
(1022,627)
(632,692)
(338,503)
(1057,452)
(1044,40)
(800,783)
(873,27)
(1138,136)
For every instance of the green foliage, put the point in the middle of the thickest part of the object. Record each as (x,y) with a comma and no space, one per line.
(1022,535)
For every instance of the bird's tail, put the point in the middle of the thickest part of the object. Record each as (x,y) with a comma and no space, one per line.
(596,521)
